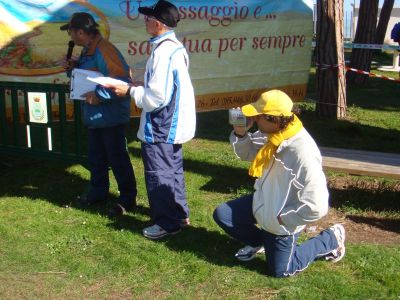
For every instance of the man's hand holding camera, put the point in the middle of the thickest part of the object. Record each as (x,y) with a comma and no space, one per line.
(236,117)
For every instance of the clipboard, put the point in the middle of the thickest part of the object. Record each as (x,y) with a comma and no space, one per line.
(80,84)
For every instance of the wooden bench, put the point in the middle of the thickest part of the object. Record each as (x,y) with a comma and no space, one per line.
(357,162)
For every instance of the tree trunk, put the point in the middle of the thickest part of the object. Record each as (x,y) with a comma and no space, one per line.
(383,22)
(331,85)
(365,34)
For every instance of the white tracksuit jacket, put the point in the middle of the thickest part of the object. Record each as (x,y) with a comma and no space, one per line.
(167,98)
(293,185)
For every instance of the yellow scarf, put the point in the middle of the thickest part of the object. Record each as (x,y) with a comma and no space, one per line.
(264,155)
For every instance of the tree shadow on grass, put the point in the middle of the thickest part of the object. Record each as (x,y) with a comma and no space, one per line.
(50,181)
(377,94)
(208,245)
(370,96)
(365,199)
(369,198)
(213,247)
(350,135)
(387,224)
(38,179)
(224,178)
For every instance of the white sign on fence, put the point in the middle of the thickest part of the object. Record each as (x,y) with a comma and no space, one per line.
(37,107)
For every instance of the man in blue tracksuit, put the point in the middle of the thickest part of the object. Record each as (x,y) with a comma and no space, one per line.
(168,120)
(105,115)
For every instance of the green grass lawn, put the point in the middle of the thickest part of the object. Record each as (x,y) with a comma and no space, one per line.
(52,249)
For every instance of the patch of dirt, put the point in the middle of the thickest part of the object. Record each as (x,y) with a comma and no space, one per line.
(361,229)
(368,226)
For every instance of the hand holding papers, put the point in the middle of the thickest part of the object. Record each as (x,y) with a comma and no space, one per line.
(119,89)
(84,81)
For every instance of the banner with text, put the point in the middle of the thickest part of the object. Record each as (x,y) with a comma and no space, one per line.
(237,49)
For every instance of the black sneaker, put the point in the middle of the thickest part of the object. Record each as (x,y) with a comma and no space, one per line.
(247,253)
(85,201)
(116,211)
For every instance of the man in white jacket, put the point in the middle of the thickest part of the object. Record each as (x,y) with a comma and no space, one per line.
(290,190)
(168,120)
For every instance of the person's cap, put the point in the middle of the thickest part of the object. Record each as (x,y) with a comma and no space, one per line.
(80,20)
(163,11)
(273,103)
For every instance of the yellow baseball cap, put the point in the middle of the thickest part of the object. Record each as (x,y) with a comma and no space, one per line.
(274,103)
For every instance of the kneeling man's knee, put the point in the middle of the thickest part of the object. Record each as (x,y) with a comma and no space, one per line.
(222,215)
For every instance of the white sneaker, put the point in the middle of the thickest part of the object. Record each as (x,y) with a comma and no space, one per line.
(156,232)
(248,253)
(340,235)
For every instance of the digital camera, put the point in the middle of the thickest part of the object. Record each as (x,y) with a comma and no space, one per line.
(237,118)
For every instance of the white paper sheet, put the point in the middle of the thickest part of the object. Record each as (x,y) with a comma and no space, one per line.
(106,80)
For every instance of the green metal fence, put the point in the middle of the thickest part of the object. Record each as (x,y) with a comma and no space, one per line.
(61,137)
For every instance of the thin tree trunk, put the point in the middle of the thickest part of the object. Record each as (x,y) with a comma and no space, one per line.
(383,22)
(331,85)
(365,34)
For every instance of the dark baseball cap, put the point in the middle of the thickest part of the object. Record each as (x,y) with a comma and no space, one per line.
(163,11)
(80,20)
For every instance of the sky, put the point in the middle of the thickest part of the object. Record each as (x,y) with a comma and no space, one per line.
(348,3)
(348,7)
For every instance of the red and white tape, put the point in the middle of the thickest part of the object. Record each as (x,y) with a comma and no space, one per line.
(371,74)
(331,67)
